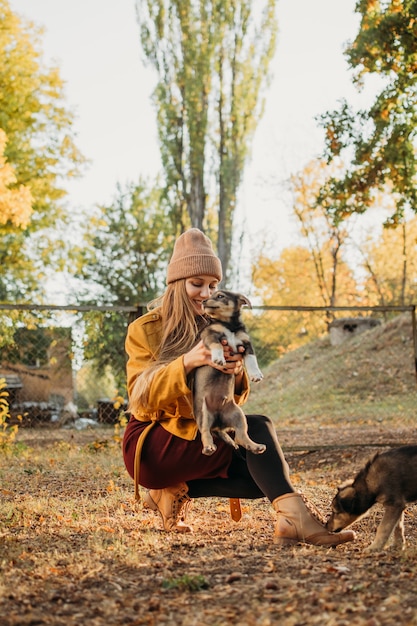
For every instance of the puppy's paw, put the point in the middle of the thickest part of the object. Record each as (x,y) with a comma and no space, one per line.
(252,368)
(217,356)
(209,450)
(374,547)
(258,448)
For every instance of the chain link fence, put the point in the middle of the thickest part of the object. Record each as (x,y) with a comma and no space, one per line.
(64,363)
(67,363)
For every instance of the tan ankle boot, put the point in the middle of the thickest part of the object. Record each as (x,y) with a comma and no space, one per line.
(296,523)
(172,504)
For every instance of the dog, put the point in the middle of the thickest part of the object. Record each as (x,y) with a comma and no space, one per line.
(389,478)
(215,409)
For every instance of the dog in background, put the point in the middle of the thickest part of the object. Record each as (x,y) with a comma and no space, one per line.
(214,406)
(389,478)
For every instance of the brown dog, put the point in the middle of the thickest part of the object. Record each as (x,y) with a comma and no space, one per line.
(215,409)
(389,478)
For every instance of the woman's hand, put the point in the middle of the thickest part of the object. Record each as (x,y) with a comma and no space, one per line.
(196,357)
(200,355)
(234,361)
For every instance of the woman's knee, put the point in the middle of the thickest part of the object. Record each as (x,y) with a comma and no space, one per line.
(259,423)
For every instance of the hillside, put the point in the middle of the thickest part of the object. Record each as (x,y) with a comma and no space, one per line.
(367,379)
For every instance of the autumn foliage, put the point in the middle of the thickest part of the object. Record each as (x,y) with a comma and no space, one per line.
(15,202)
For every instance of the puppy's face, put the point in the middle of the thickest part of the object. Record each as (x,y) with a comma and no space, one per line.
(344,508)
(223,305)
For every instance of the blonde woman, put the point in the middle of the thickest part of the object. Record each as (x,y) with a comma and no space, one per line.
(162,446)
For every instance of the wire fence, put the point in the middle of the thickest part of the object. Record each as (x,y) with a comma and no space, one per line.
(67,363)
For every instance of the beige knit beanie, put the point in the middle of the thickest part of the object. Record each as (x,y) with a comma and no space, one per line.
(193,256)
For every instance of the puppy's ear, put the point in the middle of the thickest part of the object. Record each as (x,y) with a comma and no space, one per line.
(347,499)
(243,300)
(347,493)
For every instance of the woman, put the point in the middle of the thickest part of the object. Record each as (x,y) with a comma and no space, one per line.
(162,447)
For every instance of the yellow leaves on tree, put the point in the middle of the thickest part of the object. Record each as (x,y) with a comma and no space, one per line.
(7,432)
(15,203)
(391,262)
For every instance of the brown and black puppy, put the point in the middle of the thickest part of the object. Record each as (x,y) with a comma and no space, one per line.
(389,478)
(214,406)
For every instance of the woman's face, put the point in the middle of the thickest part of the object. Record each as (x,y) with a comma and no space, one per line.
(198,289)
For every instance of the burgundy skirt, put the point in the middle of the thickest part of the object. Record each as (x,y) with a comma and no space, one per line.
(168,460)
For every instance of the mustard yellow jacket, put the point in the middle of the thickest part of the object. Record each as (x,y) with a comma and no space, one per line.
(170,396)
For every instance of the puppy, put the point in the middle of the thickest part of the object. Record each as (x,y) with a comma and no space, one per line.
(214,406)
(389,478)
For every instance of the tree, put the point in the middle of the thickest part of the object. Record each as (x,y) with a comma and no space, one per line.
(126,246)
(285,281)
(15,204)
(122,261)
(390,263)
(292,279)
(40,150)
(212,59)
(381,140)
(323,231)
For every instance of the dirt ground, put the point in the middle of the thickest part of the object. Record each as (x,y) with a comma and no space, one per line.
(102,562)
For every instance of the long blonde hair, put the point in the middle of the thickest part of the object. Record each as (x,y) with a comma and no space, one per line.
(181,332)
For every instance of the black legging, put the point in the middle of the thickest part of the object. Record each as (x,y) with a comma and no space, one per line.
(251,475)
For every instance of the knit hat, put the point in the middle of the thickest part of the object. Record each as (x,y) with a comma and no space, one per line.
(193,256)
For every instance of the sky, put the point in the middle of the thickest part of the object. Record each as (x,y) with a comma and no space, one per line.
(96,45)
